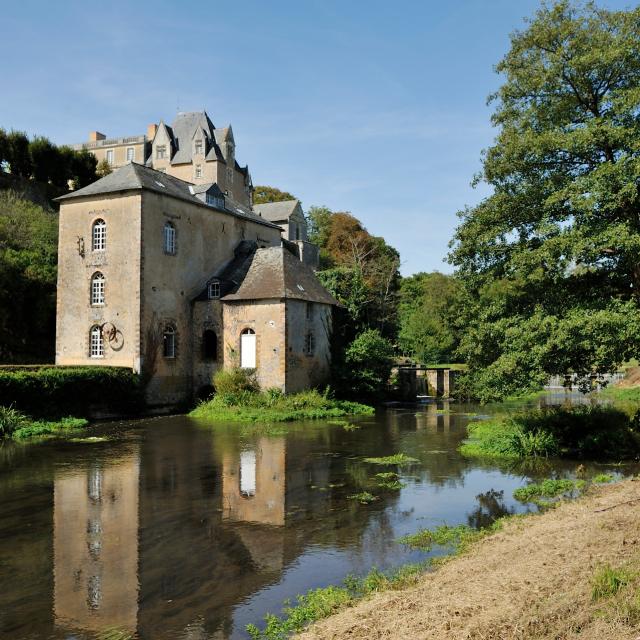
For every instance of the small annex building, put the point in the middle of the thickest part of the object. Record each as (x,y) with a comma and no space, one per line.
(177,280)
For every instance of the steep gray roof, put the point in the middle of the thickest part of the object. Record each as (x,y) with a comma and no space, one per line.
(277,211)
(275,273)
(183,127)
(135,177)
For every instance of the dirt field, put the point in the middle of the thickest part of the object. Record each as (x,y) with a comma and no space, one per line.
(531,580)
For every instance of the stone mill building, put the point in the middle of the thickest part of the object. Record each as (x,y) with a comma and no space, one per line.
(176,278)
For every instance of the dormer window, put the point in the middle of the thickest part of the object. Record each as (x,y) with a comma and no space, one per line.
(215,201)
(214,290)
(198,171)
(161,152)
(198,147)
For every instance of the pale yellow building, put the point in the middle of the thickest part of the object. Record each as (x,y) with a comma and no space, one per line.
(176,280)
(191,148)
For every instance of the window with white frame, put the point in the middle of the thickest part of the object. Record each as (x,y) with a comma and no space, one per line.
(214,290)
(96,344)
(110,156)
(198,147)
(169,342)
(131,153)
(99,235)
(161,151)
(169,239)
(97,289)
(198,171)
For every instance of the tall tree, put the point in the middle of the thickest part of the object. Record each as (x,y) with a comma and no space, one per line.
(551,260)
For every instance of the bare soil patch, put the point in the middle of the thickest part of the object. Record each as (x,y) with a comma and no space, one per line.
(531,580)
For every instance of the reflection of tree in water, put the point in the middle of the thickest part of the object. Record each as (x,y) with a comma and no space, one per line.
(490,508)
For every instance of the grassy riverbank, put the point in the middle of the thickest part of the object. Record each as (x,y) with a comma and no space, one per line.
(593,432)
(273,406)
(17,426)
(575,570)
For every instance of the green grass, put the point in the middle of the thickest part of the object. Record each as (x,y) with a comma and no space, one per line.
(267,406)
(548,489)
(18,426)
(458,537)
(399,459)
(325,601)
(587,432)
(364,497)
(602,478)
(607,581)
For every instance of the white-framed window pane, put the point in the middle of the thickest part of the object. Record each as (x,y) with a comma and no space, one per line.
(97,289)
(99,235)
(96,346)
(169,238)
(214,290)
(198,171)
(110,156)
(130,154)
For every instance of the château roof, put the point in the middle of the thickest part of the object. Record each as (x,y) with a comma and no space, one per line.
(277,211)
(275,273)
(136,177)
(183,128)
(270,273)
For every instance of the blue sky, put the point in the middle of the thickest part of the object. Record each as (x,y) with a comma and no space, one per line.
(376,107)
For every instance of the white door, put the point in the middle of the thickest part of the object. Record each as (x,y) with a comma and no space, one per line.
(248,350)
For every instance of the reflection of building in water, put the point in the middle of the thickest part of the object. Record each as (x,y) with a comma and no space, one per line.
(435,417)
(95,519)
(253,483)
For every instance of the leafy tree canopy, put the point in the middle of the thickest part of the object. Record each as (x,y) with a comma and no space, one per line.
(428,311)
(551,260)
(263,194)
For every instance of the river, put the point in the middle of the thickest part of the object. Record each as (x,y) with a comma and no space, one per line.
(177,528)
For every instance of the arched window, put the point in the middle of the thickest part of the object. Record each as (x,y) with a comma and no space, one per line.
(96,344)
(169,342)
(248,349)
(210,345)
(99,235)
(169,239)
(97,289)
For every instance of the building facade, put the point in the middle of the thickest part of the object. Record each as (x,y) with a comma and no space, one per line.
(191,148)
(176,280)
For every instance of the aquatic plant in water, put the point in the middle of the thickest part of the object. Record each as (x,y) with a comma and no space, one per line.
(399,459)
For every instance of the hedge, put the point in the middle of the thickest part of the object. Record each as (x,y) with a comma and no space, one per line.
(77,391)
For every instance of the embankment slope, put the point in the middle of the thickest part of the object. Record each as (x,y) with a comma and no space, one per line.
(533,579)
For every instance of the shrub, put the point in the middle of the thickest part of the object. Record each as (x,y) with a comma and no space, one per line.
(10,421)
(235,381)
(63,391)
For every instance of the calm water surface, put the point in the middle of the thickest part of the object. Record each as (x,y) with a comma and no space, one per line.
(179,528)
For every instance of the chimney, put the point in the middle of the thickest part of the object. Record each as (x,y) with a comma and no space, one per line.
(94,136)
(151,131)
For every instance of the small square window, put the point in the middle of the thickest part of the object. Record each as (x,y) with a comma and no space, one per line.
(214,290)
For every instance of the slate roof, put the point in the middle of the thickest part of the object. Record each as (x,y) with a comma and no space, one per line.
(277,211)
(135,177)
(183,128)
(275,273)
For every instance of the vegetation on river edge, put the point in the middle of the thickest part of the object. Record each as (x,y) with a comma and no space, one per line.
(17,426)
(594,432)
(238,399)
(325,601)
